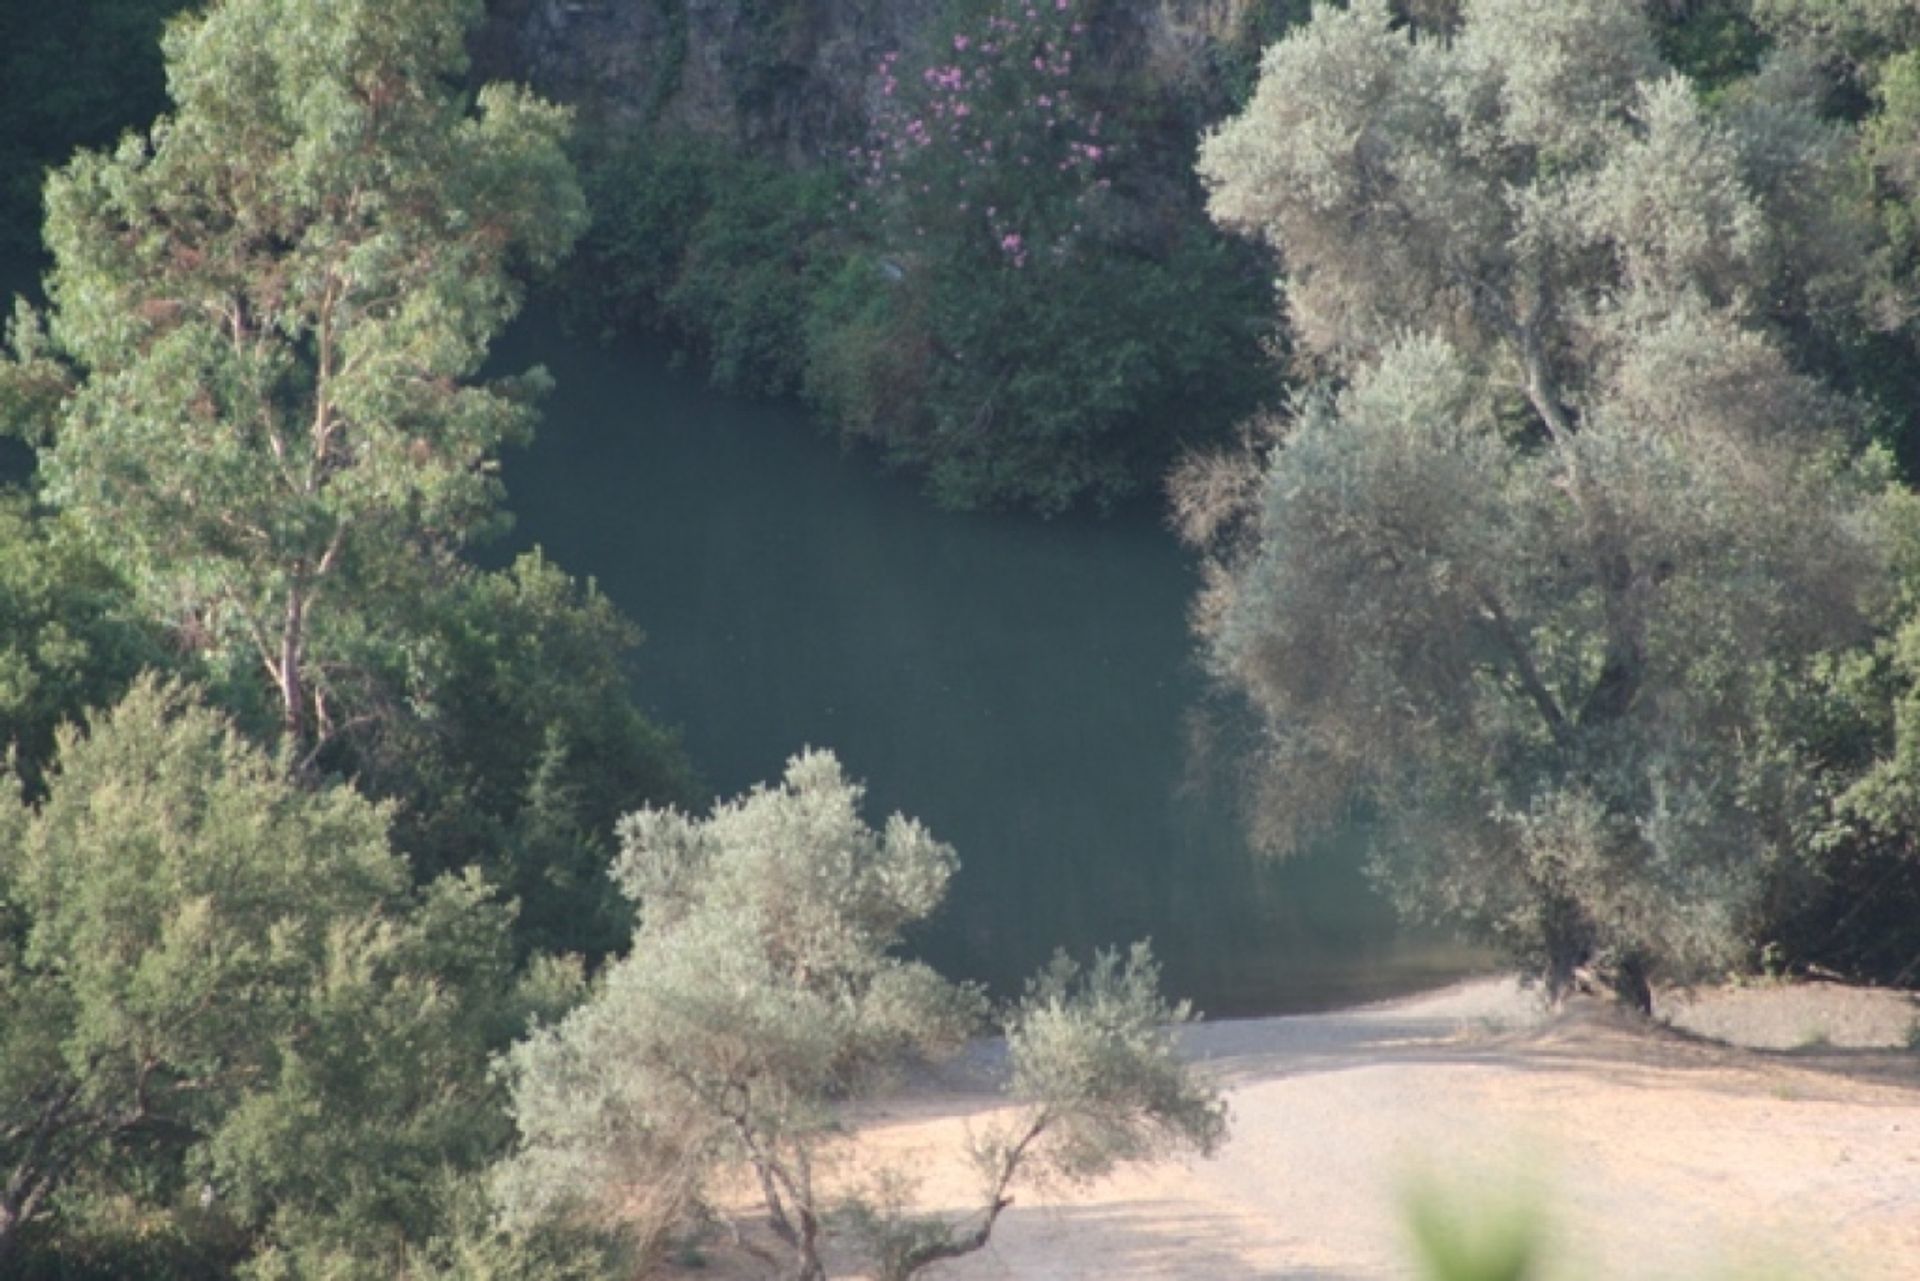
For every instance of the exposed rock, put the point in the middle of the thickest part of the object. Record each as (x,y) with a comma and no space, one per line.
(793,77)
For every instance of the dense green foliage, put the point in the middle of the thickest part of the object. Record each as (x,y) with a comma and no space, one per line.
(1066,373)
(1540,582)
(252,987)
(1001,290)
(70,637)
(264,406)
(1068,380)
(1575,566)
(1844,59)
(1061,340)
(759,989)
(711,244)
(519,746)
(271,403)
(228,1008)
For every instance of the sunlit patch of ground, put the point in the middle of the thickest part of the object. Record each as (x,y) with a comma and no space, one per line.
(1649,1152)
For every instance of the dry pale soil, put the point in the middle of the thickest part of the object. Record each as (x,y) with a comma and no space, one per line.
(1643,1152)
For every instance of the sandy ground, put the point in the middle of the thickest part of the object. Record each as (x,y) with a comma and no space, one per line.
(1649,1153)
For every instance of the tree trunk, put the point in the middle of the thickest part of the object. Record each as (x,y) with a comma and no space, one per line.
(1625,663)
(807,1265)
(949,1246)
(293,693)
(9,1236)
(18,1207)
(1630,986)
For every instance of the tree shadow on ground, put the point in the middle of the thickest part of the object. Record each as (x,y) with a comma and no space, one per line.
(1586,1035)
(1041,1241)
(1136,1238)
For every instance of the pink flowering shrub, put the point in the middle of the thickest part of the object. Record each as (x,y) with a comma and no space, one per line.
(992,143)
(1015,328)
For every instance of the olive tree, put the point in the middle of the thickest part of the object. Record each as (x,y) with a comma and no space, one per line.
(763,993)
(267,313)
(1528,578)
(1097,1081)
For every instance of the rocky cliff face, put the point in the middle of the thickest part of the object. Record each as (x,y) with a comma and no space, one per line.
(790,77)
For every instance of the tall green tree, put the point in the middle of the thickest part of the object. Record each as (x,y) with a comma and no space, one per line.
(223,992)
(271,308)
(1532,579)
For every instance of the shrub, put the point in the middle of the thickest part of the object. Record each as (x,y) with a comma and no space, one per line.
(713,246)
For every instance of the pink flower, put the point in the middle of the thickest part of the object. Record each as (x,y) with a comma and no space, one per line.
(960,43)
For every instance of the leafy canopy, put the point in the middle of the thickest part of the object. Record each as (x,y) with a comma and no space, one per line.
(217,979)
(270,308)
(70,637)
(519,745)
(1531,583)
(760,989)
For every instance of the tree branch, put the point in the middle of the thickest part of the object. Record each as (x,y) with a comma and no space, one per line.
(954,1246)
(1529,674)
(1541,392)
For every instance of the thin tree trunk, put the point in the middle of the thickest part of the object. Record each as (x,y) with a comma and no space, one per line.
(1630,985)
(9,1236)
(1524,666)
(1568,943)
(954,1246)
(21,1201)
(293,693)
